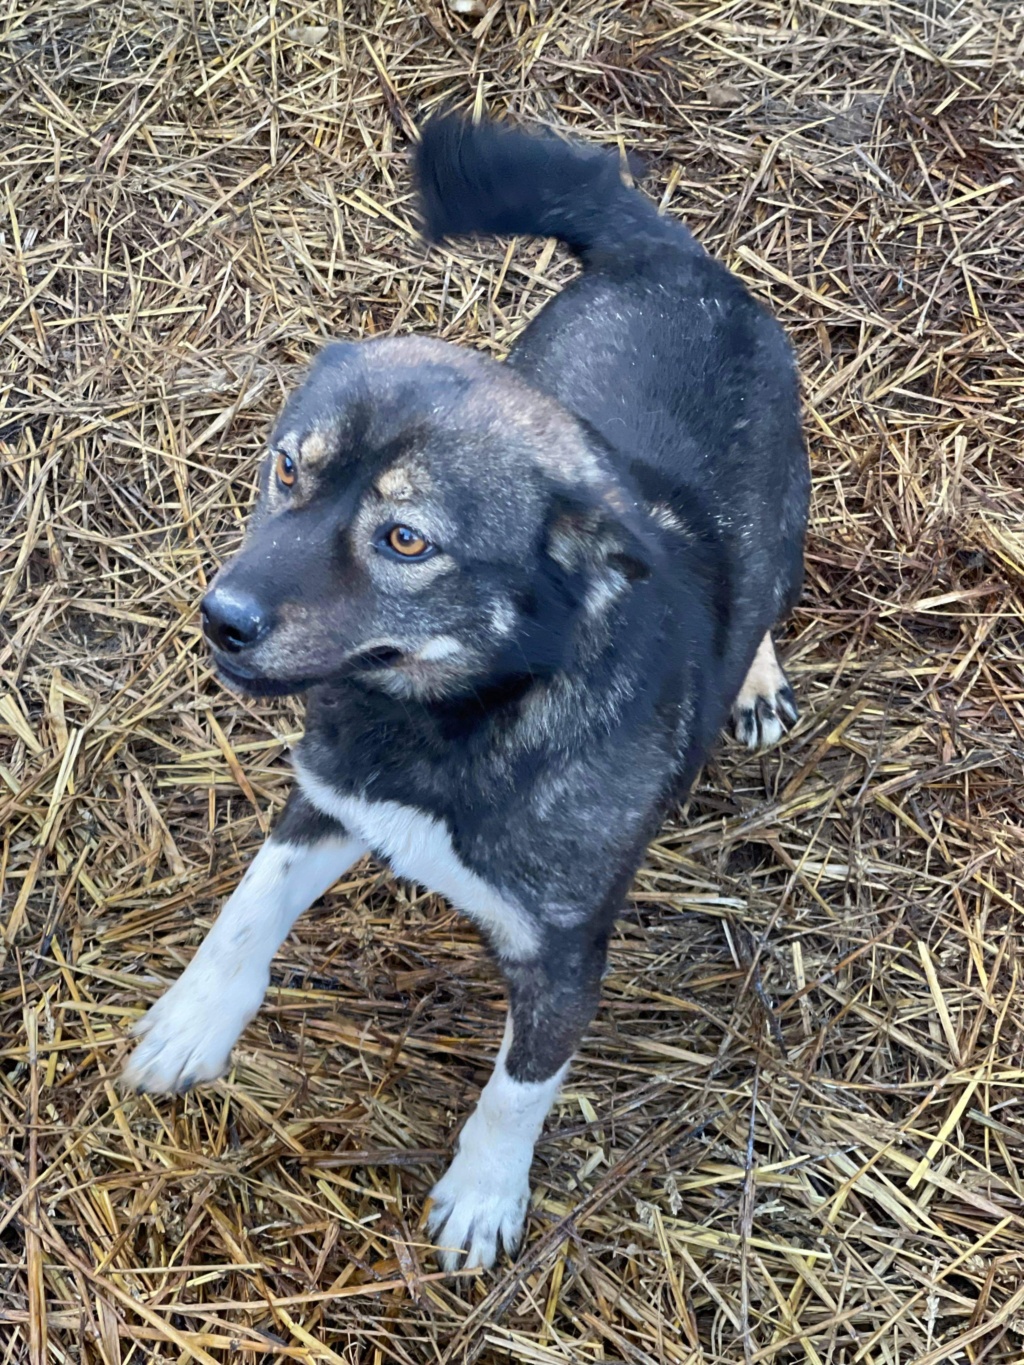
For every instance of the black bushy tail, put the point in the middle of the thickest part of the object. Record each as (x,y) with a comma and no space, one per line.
(494,179)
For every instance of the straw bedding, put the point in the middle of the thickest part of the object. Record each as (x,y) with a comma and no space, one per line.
(793,1133)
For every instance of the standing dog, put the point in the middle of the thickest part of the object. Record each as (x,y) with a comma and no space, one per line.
(522,599)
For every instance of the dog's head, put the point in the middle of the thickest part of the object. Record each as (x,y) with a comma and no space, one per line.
(426,521)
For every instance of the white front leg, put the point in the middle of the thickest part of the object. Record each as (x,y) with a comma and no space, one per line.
(480,1203)
(188,1035)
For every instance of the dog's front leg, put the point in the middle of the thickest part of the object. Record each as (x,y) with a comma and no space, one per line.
(188,1034)
(480,1202)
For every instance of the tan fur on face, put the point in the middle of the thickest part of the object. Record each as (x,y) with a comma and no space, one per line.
(665,517)
(316,445)
(438,648)
(400,484)
(310,449)
(604,591)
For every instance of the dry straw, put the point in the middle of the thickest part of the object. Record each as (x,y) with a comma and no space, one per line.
(793,1134)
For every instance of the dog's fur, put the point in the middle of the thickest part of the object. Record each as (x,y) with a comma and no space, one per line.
(617,514)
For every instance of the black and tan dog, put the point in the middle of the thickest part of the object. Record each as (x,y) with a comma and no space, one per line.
(523,599)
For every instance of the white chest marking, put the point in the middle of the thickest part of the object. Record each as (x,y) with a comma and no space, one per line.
(418,846)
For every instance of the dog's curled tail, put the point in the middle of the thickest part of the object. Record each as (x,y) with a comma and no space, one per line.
(494,179)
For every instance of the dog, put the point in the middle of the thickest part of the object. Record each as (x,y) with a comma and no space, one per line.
(522,599)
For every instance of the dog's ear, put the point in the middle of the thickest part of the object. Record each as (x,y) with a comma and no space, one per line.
(591,548)
(335,354)
(601,526)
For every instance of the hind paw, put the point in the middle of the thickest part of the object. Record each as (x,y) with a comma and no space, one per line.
(765,708)
(760,723)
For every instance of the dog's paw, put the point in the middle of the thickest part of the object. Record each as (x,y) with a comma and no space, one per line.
(188,1034)
(760,720)
(479,1206)
(765,707)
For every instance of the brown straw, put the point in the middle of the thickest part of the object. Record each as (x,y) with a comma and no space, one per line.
(793,1134)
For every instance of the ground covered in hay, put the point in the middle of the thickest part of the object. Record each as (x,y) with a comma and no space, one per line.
(793,1134)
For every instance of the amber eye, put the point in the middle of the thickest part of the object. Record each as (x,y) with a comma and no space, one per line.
(407,542)
(285,469)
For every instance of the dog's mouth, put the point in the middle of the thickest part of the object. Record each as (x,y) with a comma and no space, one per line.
(258,685)
(372,660)
(254,685)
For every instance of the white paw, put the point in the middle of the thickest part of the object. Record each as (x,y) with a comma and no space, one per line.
(479,1206)
(760,720)
(188,1034)
(765,707)
(480,1203)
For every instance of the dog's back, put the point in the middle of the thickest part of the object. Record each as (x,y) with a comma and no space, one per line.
(656,345)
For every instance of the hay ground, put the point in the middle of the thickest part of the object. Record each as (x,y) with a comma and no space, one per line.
(793,1133)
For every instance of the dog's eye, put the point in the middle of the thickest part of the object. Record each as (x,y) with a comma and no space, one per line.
(284,467)
(404,541)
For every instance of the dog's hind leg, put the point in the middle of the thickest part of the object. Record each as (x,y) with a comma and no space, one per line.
(765,707)
(188,1034)
(480,1203)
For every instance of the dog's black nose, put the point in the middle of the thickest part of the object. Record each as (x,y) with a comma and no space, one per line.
(232,621)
